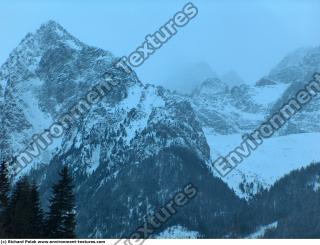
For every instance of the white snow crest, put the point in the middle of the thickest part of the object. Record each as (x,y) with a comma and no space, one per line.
(178,232)
(271,161)
(262,230)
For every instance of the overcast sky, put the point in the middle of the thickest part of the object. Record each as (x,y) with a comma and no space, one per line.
(249,37)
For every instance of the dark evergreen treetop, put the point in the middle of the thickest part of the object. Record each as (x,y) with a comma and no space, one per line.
(61,217)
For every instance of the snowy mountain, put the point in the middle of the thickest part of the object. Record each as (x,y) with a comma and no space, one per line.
(304,62)
(228,113)
(297,66)
(141,144)
(136,147)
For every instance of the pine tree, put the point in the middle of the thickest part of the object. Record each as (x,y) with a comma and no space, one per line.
(24,215)
(36,214)
(4,195)
(61,216)
(4,187)
(17,220)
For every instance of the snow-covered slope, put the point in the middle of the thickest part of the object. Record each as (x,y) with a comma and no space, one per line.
(275,158)
(223,109)
(178,232)
(228,110)
(262,230)
(267,95)
(226,114)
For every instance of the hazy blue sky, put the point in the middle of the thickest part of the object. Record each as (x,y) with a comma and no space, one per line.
(249,37)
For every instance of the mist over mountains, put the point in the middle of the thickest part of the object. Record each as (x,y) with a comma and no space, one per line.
(187,77)
(142,143)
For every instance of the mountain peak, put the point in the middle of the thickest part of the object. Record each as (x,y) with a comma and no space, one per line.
(297,66)
(52,27)
(50,40)
(51,32)
(50,35)
(211,86)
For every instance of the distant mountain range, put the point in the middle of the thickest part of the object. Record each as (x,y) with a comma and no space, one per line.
(130,153)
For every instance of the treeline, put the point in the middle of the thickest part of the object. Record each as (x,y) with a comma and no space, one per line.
(293,202)
(21,213)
